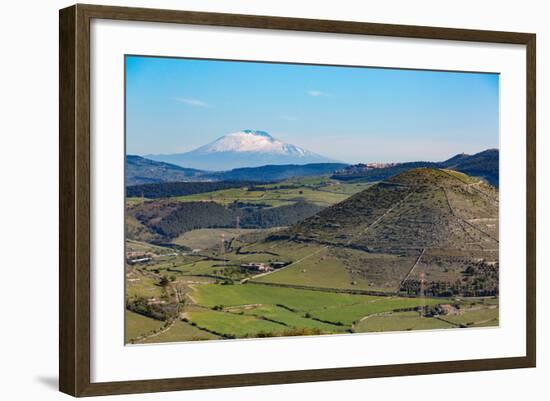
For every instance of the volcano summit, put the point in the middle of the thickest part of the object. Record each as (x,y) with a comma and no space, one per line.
(246,148)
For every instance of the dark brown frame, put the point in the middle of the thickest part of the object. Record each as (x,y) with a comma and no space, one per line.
(74,199)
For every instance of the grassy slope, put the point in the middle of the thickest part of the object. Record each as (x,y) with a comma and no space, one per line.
(332,307)
(138,325)
(181,331)
(272,198)
(140,246)
(319,190)
(289,318)
(143,287)
(476,317)
(318,270)
(343,269)
(349,314)
(235,295)
(209,237)
(401,321)
(232,324)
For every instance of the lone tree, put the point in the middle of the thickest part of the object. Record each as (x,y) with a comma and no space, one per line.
(164,282)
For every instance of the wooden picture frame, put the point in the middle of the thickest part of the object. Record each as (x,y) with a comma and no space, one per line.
(75,208)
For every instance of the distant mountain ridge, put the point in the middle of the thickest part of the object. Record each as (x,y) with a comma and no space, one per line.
(484,164)
(140,170)
(277,172)
(246,148)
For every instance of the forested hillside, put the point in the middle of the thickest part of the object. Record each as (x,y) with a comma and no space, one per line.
(170,219)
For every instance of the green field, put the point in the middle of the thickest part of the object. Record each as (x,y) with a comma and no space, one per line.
(181,331)
(253,309)
(299,299)
(337,308)
(209,237)
(331,267)
(291,319)
(232,325)
(209,267)
(168,264)
(138,325)
(318,270)
(141,286)
(349,314)
(400,321)
(135,201)
(288,250)
(273,198)
(140,246)
(475,317)
(319,190)
(262,252)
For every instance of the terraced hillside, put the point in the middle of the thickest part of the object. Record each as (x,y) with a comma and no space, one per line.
(421,208)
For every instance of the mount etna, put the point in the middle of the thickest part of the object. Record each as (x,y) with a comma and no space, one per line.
(246,148)
(272,160)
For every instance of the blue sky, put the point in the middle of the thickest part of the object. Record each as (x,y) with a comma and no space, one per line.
(345,113)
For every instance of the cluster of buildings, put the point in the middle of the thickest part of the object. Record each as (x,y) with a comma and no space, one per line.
(138,257)
(263,267)
(363,167)
(133,257)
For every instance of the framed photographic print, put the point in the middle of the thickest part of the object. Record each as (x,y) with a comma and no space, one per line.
(250,200)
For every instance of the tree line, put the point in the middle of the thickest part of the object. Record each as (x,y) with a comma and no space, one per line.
(169,189)
(188,216)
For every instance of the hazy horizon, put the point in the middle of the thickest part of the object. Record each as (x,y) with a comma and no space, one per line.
(403,160)
(348,114)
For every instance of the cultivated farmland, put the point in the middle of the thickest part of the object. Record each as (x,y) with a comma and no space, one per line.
(313,256)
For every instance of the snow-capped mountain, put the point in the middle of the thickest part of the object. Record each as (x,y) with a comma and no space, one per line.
(246,148)
(252,141)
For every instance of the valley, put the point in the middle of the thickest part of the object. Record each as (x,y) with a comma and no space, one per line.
(311,255)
